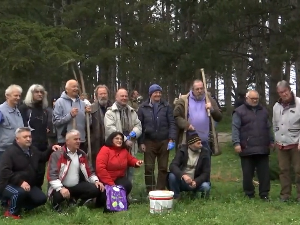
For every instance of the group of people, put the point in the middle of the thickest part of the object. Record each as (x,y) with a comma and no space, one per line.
(33,133)
(253,136)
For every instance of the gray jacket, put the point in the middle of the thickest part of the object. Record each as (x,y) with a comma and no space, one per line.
(10,121)
(286,123)
(62,118)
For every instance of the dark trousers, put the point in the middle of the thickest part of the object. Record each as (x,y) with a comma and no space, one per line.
(84,191)
(123,181)
(82,146)
(19,198)
(156,150)
(261,164)
(286,158)
(41,171)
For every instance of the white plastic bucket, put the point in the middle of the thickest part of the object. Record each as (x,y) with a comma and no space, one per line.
(161,201)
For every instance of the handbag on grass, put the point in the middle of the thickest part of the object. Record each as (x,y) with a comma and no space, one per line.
(116,199)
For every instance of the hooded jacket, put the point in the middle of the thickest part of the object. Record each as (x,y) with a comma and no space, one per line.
(62,118)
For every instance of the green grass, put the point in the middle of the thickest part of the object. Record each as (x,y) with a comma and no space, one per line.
(225,124)
(225,206)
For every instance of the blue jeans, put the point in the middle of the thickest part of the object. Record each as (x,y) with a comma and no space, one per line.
(19,198)
(178,185)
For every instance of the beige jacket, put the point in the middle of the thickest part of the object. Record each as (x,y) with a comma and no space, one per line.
(112,123)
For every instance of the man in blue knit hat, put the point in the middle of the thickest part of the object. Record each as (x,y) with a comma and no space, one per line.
(158,137)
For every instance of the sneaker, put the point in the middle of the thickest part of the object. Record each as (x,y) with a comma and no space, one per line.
(57,208)
(7,214)
(72,202)
(85,202)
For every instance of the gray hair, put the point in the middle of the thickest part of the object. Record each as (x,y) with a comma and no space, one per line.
(21,130)
(12,88)
(248,93)
(97,88)
(71,133)
(196,81)
(29,96)
(283,84)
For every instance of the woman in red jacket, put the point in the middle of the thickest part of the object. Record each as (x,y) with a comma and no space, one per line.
(113,160)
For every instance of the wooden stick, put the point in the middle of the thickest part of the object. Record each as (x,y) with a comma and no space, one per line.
(217,150)
(205,90)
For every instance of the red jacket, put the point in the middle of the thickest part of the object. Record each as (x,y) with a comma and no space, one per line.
(112,163)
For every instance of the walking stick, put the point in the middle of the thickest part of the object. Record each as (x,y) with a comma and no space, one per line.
(217,150)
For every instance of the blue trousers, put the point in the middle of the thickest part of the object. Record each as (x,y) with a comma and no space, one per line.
(19,198)
(178,185)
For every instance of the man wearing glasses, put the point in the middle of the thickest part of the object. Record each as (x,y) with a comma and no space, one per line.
(252,138)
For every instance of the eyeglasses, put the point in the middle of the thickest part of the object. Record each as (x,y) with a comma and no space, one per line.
(254,99)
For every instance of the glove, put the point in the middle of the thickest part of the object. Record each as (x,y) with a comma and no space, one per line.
(132,134)
(171,145)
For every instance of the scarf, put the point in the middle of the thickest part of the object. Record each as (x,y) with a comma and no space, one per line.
(124,118)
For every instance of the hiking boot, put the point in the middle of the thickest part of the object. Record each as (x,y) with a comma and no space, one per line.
(7,214)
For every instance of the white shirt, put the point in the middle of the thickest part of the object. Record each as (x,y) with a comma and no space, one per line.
(72,177)
(87,102)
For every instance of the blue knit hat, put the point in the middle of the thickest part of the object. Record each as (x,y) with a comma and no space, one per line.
(153,88)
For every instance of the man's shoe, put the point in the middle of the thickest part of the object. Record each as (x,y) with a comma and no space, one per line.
(265,198)
(72,202)
(57,208)
(7,214)
(85,202)
(284,199)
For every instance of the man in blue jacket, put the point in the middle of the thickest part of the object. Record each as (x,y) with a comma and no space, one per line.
(158,137)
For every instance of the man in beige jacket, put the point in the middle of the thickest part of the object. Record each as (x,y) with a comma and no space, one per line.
(123,118)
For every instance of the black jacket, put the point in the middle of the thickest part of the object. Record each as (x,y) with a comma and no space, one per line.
(202,171)
(159,129)
(37,117)
(16,166)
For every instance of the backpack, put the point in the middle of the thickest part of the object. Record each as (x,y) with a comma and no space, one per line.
(116,199)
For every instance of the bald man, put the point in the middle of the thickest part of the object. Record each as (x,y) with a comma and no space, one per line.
(123,118)
(69,113)
(252,138)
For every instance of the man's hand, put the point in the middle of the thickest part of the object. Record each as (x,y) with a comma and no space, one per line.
(298,147)
(139,163)
(193,184)
(65,192)
(47,130)
(74,112)
(143,148)
(191,127)
(129,143)
(187,179)
(25,186)
(88,109)
(100,186)
(208,105)
(56,148)
(238,149)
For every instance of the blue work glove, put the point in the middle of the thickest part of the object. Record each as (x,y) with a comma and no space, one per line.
(132,134)
(171,145)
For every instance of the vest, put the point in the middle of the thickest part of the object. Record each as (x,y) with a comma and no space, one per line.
(254,131)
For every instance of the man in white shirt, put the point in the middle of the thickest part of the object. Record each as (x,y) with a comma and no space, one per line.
(71,176)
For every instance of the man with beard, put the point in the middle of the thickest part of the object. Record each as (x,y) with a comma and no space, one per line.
(135,99)
(10,117)
(35,116)
(252,138)
(190,114)
(286,126)
(98,110)
(69,113)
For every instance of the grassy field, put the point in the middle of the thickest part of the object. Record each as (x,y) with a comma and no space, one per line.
(226,205)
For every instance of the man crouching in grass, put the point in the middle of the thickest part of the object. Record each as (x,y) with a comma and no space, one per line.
(190,169)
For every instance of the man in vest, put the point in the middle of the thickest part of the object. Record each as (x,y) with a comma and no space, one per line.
(286,125)
(252,138)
